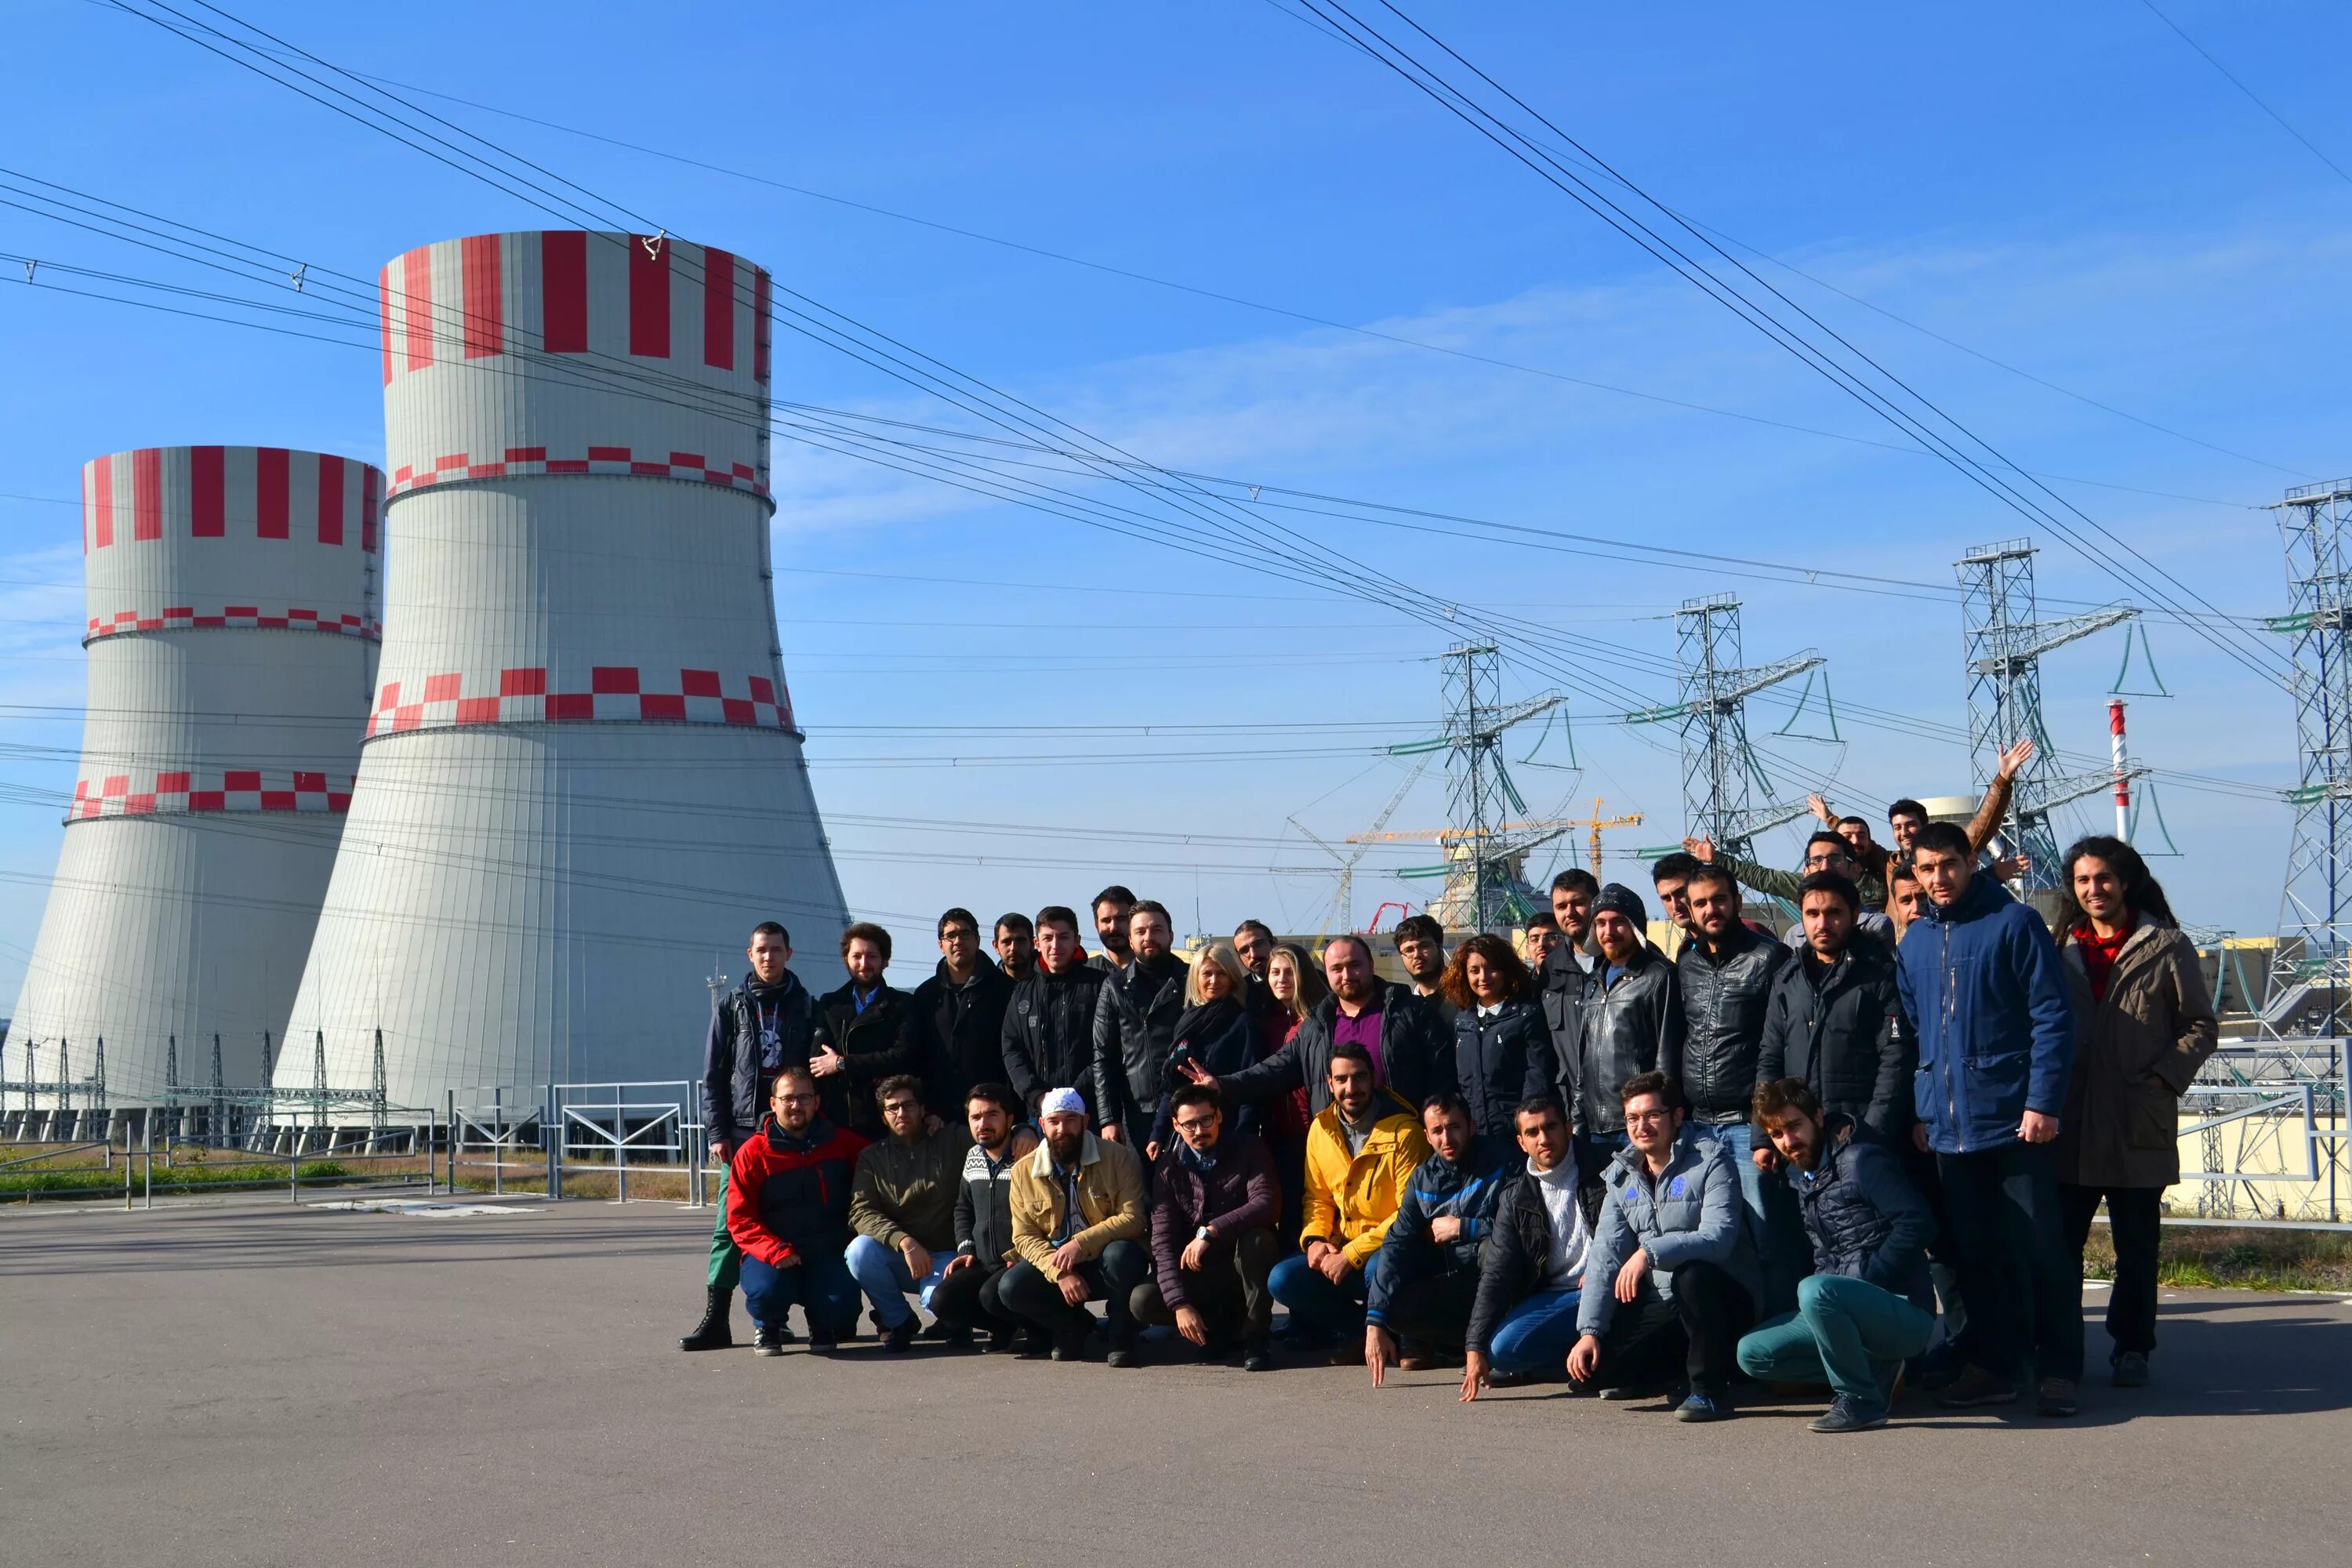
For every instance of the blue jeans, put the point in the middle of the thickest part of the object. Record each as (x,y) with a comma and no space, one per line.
(819,1283)
(882,1273)
(1783,1256)
(1535,1337)
(1328,1310)
(1843,1332)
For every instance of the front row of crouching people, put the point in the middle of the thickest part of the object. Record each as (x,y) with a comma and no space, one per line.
(1425,1241)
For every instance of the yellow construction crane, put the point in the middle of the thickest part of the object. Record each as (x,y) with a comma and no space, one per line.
(1596,822)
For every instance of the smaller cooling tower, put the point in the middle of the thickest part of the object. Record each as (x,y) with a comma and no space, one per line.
(232,638)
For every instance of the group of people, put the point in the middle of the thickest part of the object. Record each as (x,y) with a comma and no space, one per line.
(1639,1160)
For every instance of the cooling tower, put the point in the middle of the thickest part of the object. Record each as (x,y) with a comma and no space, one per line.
(581,781)
(231,645)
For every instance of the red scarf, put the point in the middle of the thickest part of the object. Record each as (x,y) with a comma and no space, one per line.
(2100,952)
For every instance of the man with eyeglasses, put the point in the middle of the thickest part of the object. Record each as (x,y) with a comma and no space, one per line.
(1671,1275)
(788,1209)
(1212,1235)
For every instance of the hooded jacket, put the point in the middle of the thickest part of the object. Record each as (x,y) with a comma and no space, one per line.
(1134,1026)
(1467,1190)
(737,1069)
(2141,1046)
(1501,1060)
(1049,1032)
(1841,1029)
(1351,1199)
(788,1192)
(1633,1027)
(1724,1002)
(1691,1213)
(960,1030)
(1985,991)
(877,1042)
(1865,1218)
(1237,1192)
(1416,1056)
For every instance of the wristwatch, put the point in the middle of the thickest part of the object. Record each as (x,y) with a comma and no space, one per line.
(1202,1234)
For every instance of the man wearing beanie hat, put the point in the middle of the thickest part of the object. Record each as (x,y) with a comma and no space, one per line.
(1078,1223)
(1629,1021)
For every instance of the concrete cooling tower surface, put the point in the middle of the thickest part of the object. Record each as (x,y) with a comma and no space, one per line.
(581,783)
(231,643)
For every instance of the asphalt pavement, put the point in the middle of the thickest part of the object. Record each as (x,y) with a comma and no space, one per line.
(249,1383)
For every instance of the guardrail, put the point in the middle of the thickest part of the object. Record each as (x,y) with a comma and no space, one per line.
(139,1156)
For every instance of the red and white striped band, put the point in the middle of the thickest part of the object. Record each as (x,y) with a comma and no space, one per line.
(170,793)
(616,694)
(236,617)
(522,462)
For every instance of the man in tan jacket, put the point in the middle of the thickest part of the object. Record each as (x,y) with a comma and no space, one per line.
(1078,1220)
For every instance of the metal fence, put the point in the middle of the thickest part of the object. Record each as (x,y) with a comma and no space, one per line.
(143,1142)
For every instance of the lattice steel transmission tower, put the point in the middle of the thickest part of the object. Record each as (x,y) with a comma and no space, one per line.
(1721,773)
(2002,640)
(1482,844)
(2317,901)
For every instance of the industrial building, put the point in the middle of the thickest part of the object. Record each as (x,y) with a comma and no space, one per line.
(232,632)
(581,784)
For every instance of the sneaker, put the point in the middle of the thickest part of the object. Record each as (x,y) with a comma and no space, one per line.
(767,1341)
(823,1345)
(1625,1392)
(2131,1370)
(1070,1347)
(902,1338)
(2057,1398)
(1257,1356)
(1033,1347)
(1977,1387)
(1849,1414)
(1124,1356)
(1702,1407)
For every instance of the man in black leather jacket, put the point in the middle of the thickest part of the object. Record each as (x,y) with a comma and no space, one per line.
(1727,970)
(1135,1025)
(1629,1020)
(960,1011)
(1836,1017)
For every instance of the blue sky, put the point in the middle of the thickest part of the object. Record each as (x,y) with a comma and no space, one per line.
(2069,190)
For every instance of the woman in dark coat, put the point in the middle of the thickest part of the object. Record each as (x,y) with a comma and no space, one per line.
(2145,1023)
(1502,1048)
(1214,1030)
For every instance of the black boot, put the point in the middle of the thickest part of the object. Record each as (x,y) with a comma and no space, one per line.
(711,1334)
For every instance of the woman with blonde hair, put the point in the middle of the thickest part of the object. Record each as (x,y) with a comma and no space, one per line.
(1214,1030)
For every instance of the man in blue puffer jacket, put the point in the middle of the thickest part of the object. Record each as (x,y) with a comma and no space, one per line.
(1986,994)
(1421,1284)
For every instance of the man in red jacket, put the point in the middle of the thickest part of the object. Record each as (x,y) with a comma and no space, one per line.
(788,1209)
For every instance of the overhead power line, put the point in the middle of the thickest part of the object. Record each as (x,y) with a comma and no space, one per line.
(1771,313)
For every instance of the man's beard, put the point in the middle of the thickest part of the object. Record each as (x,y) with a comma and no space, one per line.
(1355,993)
(1064,1152)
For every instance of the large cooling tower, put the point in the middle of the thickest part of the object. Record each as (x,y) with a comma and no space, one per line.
(232,634)
(581,782)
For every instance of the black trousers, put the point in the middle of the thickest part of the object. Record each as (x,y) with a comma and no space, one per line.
(1228,1290)
(968,1298)
(1698,1326)
(2025,1299)
(1111,1279)
(1290,1177)
(1427,1299)
(2135,1220)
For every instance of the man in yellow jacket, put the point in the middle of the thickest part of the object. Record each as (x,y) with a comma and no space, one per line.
(1079,1219)
(1362,1149)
